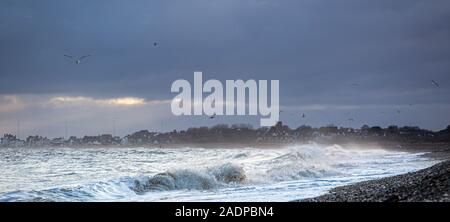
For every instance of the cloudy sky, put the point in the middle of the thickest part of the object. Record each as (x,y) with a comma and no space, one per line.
(371,61)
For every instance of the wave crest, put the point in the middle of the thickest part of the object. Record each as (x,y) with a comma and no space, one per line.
(192,180)
(303,162)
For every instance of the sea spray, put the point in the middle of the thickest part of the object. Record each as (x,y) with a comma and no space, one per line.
(189,179)
(194,174)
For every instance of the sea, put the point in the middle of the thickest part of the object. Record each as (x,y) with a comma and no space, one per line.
(192,174)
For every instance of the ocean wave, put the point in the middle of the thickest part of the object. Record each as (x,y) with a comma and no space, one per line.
(233,171)
(301,162)
(189,179)
(185,179)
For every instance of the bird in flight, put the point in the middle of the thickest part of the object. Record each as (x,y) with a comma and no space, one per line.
(435,83)
(77,60)
(155,44)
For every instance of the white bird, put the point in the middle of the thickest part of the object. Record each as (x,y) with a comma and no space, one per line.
(77,61)
(213,116)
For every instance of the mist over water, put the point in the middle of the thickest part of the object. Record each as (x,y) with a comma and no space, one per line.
(192,174)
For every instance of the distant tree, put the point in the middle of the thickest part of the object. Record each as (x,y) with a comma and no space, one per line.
(376,131)
(304,131)
(241,126)
(392,130)
(365,127)
(220,126)
(329,129)
(365,130)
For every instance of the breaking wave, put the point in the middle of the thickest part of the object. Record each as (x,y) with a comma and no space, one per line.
(189,179)
(211,178)
(238,169)
(300,162)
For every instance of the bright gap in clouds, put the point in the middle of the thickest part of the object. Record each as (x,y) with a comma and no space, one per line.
(122,101)
(47,115)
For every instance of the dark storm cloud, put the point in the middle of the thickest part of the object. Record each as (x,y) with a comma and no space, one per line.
(324,52)
(320,42)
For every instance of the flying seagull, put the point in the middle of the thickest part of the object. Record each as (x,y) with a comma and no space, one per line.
(75,60)
(435,83)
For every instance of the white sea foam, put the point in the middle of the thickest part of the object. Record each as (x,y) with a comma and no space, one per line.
(192,174)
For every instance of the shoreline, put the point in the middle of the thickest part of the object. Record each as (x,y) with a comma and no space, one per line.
(431,184)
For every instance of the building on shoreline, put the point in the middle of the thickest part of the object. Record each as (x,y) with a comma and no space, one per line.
(240,133)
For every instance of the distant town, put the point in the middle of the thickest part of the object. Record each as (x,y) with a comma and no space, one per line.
(239,133)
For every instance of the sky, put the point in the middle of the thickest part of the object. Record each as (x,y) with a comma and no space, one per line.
(368,61)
